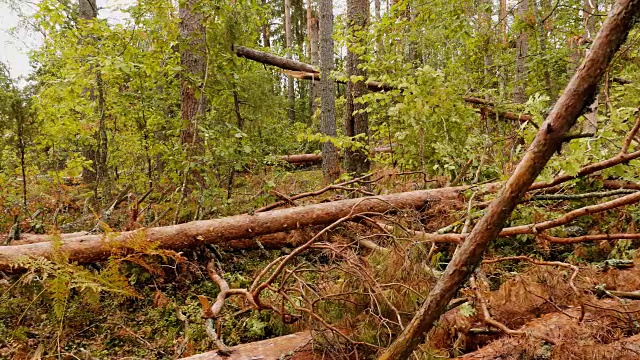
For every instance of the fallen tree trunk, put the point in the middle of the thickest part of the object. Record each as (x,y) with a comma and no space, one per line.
(294,346)
(91,248)
(296,159)
(548,140)
(305,71)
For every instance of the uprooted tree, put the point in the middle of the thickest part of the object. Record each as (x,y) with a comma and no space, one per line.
(209,226)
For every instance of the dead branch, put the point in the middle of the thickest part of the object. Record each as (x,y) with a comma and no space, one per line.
(589,195)
(566,218)
(482,303)
(588,170)
(631,135)
(314,193)
(574,268)
(585,238)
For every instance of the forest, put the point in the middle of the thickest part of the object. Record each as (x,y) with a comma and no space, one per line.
(320,179)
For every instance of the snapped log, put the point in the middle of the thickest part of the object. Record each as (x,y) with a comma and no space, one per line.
(91,248)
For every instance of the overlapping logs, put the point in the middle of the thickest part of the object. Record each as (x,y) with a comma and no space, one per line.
(91,248)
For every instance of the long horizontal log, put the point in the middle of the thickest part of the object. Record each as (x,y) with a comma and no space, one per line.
(297,345)
(275,60)
(91,248)
(317,158)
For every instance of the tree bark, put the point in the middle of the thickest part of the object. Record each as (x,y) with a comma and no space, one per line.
(194,62)
(288,42)
(314,57)
(298,345)
(503,35)
(356,121)
(90,248)
(266,30)
(330,166)
(275,60)
(522,46)
(548,140)
(88,10)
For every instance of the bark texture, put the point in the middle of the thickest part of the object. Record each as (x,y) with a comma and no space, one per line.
(356,121)
(90,248)
(522,47)
(193,61)
(314,57)
(88,10)
(291,96)
(330,166)
(548,140)
(276,348)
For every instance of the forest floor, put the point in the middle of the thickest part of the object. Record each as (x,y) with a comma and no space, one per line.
(530,300)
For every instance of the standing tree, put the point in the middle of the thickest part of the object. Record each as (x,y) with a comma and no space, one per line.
(194,63)
(356,122)
(289,44)
(522,46)
(88,11)
(330,166)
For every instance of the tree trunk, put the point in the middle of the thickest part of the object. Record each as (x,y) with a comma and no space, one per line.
(266,30)
(503,35)
(314,53)
(548,140)
(287,34)
(590,126)
(356,122)
(88,10)
(543,40)
(330,166)
(298,345)
(522,45)
(194,62)
(90,248)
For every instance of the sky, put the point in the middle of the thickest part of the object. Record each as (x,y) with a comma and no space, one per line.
(16,40)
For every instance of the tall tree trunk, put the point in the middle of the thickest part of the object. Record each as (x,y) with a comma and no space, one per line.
(330,166)
(287,34)
(88,10)
(503,38)
(314,53)
(486,26)
(356,121)
(266,30)
(548,140)
(522,45)
(542,7)
(590,126)
(194,62)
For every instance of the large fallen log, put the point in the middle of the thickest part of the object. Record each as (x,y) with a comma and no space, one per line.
(91,248)
(294,346)
(297,159)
